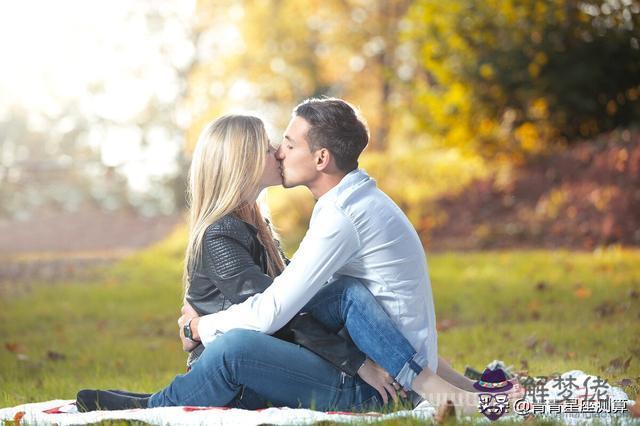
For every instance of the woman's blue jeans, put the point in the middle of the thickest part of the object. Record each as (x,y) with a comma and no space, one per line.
(248,369)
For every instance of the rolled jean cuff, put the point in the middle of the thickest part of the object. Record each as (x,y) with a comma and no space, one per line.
(410,370)
(153,401)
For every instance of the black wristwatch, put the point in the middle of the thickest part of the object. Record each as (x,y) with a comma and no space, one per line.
(187,330)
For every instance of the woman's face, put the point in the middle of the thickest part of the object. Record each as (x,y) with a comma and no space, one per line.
(272,174)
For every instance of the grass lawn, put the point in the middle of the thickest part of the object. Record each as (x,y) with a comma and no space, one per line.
(540,311)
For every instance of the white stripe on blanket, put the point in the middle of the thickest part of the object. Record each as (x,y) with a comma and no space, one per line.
(64,412)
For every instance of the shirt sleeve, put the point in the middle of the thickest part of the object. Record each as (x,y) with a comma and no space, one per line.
(329,244)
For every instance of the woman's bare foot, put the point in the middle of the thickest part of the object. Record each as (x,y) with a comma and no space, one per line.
(438,392)
(517,391)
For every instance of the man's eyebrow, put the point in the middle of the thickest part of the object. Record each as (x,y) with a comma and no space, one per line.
(289,138)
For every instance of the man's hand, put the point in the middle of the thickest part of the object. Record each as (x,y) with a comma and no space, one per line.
(187,314)
(380,380)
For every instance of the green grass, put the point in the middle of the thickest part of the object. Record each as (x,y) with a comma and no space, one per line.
(555,311)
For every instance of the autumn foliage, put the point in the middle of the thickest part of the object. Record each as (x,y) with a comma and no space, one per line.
(455,92)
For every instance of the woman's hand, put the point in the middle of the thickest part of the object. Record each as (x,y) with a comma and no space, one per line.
(380,380)
(188,310)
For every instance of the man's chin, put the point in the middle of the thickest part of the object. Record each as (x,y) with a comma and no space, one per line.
(289,184)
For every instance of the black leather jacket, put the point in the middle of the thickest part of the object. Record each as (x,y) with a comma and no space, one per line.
(232,268)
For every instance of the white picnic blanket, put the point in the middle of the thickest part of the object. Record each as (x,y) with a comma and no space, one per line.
(64,412)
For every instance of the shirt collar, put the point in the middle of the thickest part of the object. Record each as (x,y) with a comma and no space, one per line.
(349,180)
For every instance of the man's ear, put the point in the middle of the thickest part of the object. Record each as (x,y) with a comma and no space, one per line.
(323,159)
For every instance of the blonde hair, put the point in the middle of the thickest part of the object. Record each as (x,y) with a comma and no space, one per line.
(225,172)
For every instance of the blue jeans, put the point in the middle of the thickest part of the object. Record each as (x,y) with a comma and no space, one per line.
(349,303)
(248,369)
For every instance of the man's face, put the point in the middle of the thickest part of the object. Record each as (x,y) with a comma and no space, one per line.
(298,162)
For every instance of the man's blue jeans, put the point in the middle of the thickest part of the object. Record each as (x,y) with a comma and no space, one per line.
(348,302)
(249,369)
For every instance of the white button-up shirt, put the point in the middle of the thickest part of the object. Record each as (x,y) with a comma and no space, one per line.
(358,231)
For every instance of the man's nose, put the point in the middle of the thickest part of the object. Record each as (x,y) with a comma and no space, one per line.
(279,153)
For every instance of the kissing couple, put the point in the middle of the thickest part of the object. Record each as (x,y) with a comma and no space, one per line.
(347,324)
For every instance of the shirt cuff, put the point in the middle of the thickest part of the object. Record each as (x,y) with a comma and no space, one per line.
(207,330)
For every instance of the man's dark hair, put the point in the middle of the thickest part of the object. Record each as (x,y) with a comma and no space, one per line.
(336,126)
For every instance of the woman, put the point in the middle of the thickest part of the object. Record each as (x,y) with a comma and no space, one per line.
(232,255)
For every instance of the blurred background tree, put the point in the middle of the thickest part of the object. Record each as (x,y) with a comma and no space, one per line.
(88,115)
(453,91)
(519,75)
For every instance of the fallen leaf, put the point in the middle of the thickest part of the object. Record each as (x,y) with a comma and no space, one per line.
(634,294)
(634,409)
(524,364)
(534,309)
(55,356)
(541,286)
(446,324)
(605,309)
(15,348)
(618,365)
(582,293)
(16,419)
(22,357)
(445,412)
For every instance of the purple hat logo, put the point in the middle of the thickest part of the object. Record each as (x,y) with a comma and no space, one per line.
(493,401)
(493,381)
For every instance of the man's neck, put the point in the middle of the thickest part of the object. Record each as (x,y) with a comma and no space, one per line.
(325,183)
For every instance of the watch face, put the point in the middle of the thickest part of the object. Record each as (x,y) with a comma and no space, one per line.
(187,330)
